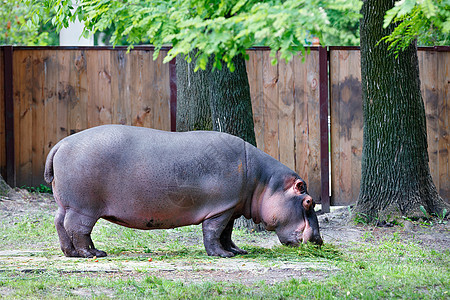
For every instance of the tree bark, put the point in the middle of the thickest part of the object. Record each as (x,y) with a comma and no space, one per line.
(193,103)
(5,189)
(231,106)
(395,177)
(216,100)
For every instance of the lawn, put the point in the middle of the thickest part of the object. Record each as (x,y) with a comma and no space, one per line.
(356,262)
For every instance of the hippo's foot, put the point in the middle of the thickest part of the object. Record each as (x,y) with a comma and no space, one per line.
(220,252)
(71,253)
(238,251)
(227,243)
(217,235)
(85,247)
(74,232)
(89,253)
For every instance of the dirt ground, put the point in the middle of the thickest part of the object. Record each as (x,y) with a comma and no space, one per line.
(334,227)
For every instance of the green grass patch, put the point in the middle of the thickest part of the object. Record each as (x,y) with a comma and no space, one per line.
(387,268)
(38,189)
(35,230)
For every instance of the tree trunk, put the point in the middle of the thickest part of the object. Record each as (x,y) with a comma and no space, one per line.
(395,179)
(216,100)
(231,106)
(5,189)
(193,108)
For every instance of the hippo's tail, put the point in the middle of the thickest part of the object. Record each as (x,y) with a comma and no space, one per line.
(48,173)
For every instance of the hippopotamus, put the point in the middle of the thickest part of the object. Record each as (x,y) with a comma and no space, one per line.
(150,179)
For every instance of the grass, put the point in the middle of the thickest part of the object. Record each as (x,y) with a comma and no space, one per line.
(384,269)
(38,189)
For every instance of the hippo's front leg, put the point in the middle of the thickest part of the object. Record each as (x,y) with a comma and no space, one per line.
(227,243)
(212,231)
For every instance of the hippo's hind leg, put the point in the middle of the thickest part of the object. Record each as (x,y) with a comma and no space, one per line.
(66,243)
(227,243)
(212,232)
(79,228)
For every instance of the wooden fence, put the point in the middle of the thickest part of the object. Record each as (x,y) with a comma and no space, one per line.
(285,102)
(58,91)
(347,121)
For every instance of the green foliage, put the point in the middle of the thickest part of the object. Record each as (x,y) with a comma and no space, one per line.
(344,23)
(17,27)
(424,211)
(225,28)
(328,251)
(441,218)
(427,21)
(39,189)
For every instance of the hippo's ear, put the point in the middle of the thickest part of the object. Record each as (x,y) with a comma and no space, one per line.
(299,187)
(296,184)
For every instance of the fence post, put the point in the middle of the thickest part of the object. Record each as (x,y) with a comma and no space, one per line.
(324,155)
(9,115)
(173,94)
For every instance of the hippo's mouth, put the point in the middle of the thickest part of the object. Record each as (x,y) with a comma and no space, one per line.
(293,240)
(291,244)
(306,236)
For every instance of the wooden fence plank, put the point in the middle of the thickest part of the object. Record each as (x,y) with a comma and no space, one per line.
(149,94)
(313,108)
(353,81)
(345,172)
(94,101)
(136,86)
(301,118)
(50,104)
(286,127)
(64,93)
(161,115)
(38,114)
(270,94)
(23,97)
(117,77)
(335,128)
(104,87)
(254,71)
(443,110)
(120,90)
(77,92)
(428,80)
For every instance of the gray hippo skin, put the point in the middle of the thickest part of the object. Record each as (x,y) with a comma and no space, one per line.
(149,179)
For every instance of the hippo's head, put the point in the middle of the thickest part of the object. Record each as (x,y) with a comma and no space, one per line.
(289,210)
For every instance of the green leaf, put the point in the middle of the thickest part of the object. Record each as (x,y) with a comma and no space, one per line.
(238,6)
(390,15)
(35,19)
(428,8)
(202,61)
(423,210)
(406,6)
